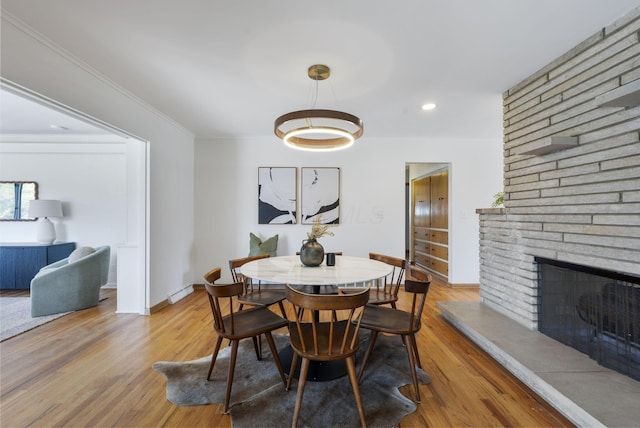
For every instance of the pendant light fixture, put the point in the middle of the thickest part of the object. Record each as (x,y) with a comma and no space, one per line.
(315,129)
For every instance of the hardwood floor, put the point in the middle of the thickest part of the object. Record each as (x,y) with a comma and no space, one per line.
(92,368)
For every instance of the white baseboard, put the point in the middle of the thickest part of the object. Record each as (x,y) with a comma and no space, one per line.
(180,294)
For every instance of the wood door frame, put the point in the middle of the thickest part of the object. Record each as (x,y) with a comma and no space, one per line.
(432,169)
(134,296)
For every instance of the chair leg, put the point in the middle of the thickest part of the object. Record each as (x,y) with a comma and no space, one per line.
(372,341)
(284,313)
(304,370)
(214,356)
(232,367)
(276,357)
(415,351)
(412,364)
(351,369)
(257,345)
(292,370)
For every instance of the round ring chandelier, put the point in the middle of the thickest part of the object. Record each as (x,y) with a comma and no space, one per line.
(316,129)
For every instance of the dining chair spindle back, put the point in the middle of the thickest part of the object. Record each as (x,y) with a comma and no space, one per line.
(387,292)
(254,294)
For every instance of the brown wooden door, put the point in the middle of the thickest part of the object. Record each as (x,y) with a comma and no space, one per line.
(422,202)
(440,200)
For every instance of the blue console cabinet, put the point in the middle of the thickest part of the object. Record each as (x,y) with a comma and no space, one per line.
(19,263)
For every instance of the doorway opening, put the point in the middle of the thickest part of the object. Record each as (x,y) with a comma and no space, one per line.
(427,216)
(31,116)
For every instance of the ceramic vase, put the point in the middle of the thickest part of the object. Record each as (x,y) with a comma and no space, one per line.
(311,253)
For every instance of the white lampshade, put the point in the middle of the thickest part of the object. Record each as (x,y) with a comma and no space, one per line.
(45,208)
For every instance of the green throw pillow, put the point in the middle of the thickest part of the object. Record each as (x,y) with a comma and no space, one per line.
(257,247)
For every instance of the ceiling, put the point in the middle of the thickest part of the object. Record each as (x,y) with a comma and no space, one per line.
(228,68)
(21,115)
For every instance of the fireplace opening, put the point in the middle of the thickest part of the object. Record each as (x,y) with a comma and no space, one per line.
(592,310)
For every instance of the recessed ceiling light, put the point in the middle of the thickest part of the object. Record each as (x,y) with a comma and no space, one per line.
(428,106)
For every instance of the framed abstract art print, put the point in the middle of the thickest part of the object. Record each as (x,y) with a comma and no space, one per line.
(320,195)
(277,195)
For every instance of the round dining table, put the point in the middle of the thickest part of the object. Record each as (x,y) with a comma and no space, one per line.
(348,271)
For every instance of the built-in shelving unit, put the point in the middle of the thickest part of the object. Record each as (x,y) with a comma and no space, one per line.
(431,222)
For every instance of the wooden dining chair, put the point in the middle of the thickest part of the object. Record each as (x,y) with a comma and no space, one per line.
(386,290)
(238,324)
(382,319)
(253,293)
(330,334)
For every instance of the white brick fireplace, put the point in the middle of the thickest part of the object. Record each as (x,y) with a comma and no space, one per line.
(571,171)
(572,194)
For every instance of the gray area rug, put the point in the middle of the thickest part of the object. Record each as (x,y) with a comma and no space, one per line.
(258,397)
(15,317)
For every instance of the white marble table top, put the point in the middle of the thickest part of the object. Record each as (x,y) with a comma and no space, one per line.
(289,270)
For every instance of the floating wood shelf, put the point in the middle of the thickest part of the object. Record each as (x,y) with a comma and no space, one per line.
(548,145)
(625,96)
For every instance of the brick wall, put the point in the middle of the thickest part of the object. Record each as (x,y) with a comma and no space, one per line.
(580,204)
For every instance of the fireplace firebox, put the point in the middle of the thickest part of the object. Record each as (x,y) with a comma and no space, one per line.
(595,311)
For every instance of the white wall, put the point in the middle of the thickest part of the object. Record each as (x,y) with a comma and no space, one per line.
(89,179)
(43,67)
(373,176)
(372,196)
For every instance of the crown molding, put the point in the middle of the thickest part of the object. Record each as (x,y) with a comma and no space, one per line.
(65,138)
(58,49)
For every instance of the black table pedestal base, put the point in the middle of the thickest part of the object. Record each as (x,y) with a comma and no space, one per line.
(318,370)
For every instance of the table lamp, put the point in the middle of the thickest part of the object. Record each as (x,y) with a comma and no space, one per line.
(42,209)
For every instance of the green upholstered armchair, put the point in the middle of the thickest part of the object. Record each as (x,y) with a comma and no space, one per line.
(70,284)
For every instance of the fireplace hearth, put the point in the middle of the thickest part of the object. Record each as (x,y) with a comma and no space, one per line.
(592,310)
